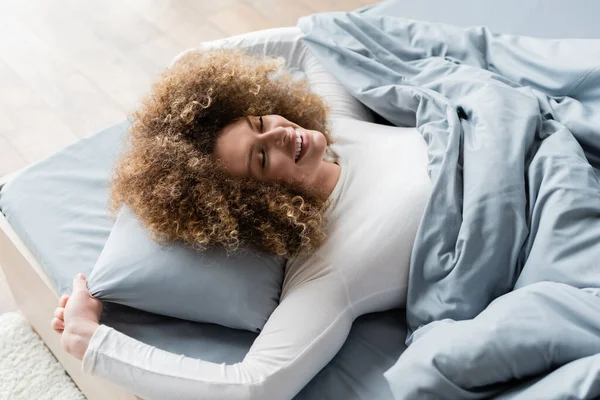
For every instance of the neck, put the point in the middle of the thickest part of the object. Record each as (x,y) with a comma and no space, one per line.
(327,177)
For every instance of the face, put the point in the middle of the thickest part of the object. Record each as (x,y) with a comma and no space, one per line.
(266,148)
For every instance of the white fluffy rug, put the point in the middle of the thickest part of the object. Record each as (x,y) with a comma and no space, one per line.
(28,370)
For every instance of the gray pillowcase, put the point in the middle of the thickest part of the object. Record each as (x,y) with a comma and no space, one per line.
(238,291)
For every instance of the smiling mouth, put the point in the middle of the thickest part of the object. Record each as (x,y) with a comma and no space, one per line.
(298,145)
(301,145)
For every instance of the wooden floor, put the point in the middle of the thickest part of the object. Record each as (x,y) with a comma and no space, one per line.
(71,67)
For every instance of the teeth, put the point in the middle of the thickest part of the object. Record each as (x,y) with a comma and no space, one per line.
(298,143)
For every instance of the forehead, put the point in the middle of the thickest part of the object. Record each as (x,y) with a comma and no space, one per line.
(233,146)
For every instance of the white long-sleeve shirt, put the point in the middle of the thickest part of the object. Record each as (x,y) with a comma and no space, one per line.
(362,267)
(375,209)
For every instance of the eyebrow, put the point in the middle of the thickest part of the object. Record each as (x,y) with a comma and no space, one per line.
(251,147)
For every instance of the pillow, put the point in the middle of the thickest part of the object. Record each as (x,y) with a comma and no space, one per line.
(238,291)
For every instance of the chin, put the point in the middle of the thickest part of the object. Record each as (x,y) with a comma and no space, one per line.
(319,142)
(316,152)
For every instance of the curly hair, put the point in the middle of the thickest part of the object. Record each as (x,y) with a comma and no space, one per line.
(170,179)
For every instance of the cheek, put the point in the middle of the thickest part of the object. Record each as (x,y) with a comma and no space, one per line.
(282,168)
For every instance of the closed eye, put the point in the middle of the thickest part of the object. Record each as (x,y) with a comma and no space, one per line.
(264,154)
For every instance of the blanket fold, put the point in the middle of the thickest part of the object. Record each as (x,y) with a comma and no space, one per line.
(506,264)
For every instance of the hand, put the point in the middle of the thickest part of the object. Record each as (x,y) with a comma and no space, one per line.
(77,318)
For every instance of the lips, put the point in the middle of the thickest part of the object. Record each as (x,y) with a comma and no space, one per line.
(305,144)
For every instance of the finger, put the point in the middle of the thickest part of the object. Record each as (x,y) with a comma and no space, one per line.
(60,313)
(57,324)
(80,283)
(62,302)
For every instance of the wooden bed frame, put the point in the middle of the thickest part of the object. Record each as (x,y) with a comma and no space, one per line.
(37,297)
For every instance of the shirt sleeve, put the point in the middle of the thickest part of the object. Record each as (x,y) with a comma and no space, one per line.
(302,335)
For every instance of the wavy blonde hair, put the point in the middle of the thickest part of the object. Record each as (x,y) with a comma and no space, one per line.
(172,182)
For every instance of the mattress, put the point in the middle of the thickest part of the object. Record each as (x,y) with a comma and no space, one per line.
(58,207)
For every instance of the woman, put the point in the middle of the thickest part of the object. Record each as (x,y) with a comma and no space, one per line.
(231,150)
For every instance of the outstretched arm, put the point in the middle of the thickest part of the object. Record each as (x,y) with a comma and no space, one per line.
(288,44)
(301,337)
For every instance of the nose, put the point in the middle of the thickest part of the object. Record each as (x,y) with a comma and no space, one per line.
(278,136)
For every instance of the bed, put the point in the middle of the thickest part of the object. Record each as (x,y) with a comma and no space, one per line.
(54,224)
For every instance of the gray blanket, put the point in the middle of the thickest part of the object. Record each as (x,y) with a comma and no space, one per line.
(504,286)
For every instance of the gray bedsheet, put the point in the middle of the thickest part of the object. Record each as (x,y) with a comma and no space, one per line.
(504,287)
(58,207)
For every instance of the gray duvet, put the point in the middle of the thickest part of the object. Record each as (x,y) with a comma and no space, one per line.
(505,273)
